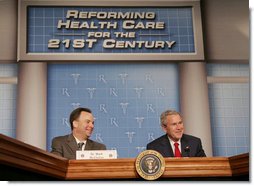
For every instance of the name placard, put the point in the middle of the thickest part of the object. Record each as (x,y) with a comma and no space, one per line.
(96,154)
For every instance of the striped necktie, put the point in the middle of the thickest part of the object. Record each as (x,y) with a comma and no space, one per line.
(80,145)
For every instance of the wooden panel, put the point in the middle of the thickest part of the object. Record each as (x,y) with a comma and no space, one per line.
(17,154)
(197,167)
(239,164)
(102,169)
(23,156)
(125,168)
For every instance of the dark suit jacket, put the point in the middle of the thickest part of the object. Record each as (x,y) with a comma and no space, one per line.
(162,145)
(66,146)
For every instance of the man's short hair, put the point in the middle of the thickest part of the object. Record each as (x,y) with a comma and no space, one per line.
(76,113)
(168,113)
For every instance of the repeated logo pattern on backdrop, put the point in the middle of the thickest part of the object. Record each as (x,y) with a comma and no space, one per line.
(126,100)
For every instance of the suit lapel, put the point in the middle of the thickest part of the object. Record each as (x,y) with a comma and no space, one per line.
(167,147)
(88,145)
(72,144)
(184,145)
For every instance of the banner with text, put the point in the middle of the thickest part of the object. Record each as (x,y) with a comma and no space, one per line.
(110,30)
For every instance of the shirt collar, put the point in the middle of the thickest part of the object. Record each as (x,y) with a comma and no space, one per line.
(173,142)
(78,141)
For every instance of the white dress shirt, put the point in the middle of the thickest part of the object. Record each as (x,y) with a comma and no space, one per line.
(78,141)
(173,146)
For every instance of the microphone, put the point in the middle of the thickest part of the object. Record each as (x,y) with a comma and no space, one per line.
(187,150)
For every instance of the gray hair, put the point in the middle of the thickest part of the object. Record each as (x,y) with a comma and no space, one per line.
(168,113)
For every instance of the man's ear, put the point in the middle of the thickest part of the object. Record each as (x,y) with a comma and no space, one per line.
(75,124)
(164,128)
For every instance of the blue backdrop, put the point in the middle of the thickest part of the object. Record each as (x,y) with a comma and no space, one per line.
(126,100)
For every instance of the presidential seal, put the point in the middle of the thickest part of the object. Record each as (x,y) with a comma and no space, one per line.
(150,164)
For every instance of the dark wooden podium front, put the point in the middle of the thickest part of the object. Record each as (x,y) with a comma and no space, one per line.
(20,161)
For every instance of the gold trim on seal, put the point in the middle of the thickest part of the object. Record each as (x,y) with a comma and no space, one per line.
(150,164)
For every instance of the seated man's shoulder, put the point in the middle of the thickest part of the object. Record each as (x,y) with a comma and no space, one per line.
(60,138)
(190,137)
(158,140)
(97,144)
